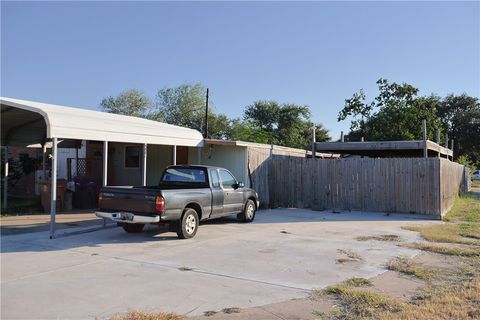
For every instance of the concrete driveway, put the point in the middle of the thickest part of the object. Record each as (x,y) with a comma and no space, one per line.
(283,255)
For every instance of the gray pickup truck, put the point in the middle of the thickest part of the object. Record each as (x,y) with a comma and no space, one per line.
(184,196)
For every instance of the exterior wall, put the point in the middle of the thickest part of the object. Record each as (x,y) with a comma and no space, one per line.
(118,175)
(233,158)
(158,157)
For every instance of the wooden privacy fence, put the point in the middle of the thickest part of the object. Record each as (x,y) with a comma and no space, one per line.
(409,185)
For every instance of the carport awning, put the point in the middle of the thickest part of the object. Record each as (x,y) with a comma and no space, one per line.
(27,122)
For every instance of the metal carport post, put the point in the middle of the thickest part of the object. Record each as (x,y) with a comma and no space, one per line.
(53,182)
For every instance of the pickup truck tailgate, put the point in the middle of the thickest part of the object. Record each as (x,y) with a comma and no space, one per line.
(137,200)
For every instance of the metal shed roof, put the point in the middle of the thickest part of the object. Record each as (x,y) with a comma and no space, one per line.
(31,122)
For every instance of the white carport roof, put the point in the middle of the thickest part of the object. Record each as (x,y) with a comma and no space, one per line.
(21,123)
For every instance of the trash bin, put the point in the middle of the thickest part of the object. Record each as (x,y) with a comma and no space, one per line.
(46,191)
(85,193)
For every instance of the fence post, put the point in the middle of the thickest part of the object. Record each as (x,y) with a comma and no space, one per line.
(424,131)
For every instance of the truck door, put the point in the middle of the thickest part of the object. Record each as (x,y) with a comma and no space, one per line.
(233,199)
(217,193)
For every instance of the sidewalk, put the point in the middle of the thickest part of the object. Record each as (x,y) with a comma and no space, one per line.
(11,225)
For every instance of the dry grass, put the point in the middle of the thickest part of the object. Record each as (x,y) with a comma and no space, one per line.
(231,310)
(358,282)
(209,313)
(464,226)
(409,267)
(448,232)
(463,303)
(350,254)
(382,237)
(450,294)
(452,251)
(145,315)
(361,304)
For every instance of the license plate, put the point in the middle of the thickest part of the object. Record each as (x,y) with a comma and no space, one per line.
(126,216)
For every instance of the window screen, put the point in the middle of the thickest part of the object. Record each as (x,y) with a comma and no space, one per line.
(132,157)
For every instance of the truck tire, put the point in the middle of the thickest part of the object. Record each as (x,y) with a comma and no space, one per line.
(133,227)
(248,213)
(188,226)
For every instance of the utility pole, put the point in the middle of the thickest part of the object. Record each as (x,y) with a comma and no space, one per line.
(206,117)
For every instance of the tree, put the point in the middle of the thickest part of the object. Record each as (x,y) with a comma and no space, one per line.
(185,106)
(283,124)
(246,131)
(182,106)
(395,114)
(130,103)
(460,116)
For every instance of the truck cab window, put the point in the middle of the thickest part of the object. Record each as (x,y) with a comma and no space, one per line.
(215,178)
(227,179)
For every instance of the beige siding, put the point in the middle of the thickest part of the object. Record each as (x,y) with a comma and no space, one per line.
(232,158)
(158,157)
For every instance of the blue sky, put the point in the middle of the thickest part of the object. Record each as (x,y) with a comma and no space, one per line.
(310,53)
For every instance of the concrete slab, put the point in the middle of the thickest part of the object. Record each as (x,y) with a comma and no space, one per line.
(283,255)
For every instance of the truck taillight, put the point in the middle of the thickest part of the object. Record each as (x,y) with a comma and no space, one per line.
(100,198)
(159,203)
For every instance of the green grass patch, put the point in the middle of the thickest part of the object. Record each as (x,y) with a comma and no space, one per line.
(465,209)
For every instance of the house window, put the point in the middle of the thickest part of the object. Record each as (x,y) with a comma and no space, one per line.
(132,157)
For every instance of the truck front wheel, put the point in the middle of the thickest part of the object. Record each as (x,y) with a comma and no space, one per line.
(133,227)
(187,228)
(248,213)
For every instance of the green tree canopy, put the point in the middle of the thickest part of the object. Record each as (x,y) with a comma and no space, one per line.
(283,124)
(184,106)
(396,114)
(460,116)
(130,102)
(263,122)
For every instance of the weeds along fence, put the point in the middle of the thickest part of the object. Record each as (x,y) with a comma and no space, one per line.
(408,185)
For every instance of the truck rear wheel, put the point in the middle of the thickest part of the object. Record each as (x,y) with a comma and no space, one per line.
(133,227)
(248,213)
(187,228)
